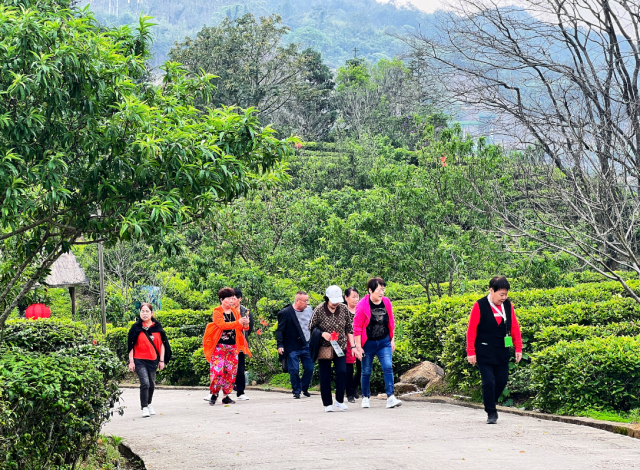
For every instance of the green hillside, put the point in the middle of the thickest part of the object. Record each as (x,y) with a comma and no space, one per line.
(334,27)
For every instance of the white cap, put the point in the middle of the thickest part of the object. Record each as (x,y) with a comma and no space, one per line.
(335,294)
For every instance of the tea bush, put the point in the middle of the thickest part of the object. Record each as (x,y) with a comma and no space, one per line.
(598,373)
(551,335)
(58,389)
(45,335)
(180,370)
(185,317)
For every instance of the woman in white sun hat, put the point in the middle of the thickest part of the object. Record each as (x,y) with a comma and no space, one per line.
(332,317)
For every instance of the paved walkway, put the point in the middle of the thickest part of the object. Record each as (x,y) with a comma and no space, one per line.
(274,431)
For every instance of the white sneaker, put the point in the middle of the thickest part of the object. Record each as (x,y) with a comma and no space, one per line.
(328,409)
(151,410)
(340,406)
(242,397)
(145,412)
(392,402)
(208,397)
(365,402)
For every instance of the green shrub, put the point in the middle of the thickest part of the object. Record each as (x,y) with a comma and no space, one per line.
(200,367)
(180,318)
(180,371)
(169,304)
(533,319)
(461,375)
(550,335)
(45,334)
(598,373)
(179,290)
(174,332)
(282,380)
(427,324)
(58,387)
(57,405)
(116,340)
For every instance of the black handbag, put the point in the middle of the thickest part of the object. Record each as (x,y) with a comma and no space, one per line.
(283,363)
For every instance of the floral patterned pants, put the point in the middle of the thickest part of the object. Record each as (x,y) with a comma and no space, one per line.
(223,370)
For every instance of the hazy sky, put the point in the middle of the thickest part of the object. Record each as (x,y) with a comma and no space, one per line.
(425,5)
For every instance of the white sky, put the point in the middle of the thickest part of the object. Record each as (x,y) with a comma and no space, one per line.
(424,5)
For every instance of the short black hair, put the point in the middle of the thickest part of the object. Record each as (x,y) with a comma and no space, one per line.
(226,292)
(499,283)
(238,292)
(374,283)
(348,291)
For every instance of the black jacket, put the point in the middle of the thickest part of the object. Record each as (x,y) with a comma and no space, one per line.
(490,348)
(289,335)
(315,341)
(135,331)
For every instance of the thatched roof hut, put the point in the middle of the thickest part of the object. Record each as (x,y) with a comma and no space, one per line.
(66,272)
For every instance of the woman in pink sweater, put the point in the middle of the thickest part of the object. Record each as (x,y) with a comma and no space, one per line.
(373,328)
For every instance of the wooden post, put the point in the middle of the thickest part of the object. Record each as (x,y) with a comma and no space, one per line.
(102,303)
(72,293)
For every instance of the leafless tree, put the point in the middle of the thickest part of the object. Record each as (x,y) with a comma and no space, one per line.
(561,79)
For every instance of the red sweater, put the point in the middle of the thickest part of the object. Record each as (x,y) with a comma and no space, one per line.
(472,331)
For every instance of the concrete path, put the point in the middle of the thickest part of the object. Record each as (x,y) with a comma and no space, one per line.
(274,431)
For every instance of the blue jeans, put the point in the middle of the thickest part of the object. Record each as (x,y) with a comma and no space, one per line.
(382,349)
(293,364)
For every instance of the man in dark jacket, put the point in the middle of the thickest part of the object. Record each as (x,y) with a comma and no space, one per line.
(293,337)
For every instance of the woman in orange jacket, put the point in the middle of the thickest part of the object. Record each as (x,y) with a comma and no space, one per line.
(223,340)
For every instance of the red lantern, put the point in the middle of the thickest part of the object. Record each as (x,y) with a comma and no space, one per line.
(36,311)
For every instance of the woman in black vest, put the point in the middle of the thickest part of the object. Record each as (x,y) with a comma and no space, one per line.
(493,329)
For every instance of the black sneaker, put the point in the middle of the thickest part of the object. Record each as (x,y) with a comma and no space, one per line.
(492,418)
(351,399)
(212,400)
(306,393)
(296,395)
(228,401)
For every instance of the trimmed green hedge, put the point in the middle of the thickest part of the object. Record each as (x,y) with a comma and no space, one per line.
(180,318)
(599,373)
(45,334)
(180,370)
(551,335)
(200,367)
(449,348)
(585,304)
(58,389)
(116,340)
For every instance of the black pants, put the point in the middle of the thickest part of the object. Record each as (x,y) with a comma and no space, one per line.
(324,365)
(240,381)
(353,380)
(494,380)
(146,370)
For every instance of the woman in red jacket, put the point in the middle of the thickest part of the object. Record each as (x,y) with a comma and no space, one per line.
(149,350)
(493,328)
(222,341)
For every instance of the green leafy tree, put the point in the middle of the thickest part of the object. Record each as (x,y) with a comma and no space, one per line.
(382,99)
(90,151)
(256,68)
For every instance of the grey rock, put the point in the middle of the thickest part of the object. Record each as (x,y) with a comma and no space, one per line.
(423,374)
(402,388)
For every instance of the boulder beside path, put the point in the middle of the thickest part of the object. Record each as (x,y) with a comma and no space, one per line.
(423,375)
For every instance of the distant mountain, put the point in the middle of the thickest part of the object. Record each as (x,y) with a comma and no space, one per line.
(337,28)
